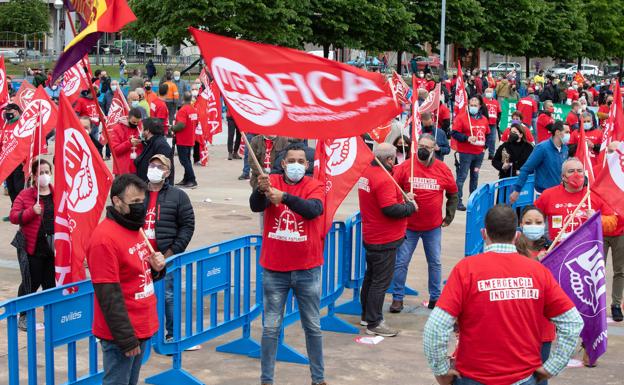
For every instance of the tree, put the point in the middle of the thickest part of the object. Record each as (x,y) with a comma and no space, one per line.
(333,22)
(24,16)
(606,39)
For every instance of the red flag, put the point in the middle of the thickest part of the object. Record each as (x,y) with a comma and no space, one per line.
(400,88)
(416,126)
(380,133)
(24,94)
(82,185)
(4,87)
(17,146)
(208,107)
(579,78)
(460,91)
(204,77)
(75,80)
(614,128)
(583,154)
(38,146)
(281,91)
(432,103)
(609,185)
(338,164)
(119,108)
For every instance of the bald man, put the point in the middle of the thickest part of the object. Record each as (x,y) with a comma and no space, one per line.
(384,221)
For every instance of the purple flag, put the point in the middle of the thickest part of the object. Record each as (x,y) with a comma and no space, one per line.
(578,265)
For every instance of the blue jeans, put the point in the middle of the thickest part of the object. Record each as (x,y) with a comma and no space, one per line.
(169,305)
(432,242)
(490,140)
(119,369)
(246,168)
(306,286)
(184,154)
(468,381)
(467,163)
(545,353)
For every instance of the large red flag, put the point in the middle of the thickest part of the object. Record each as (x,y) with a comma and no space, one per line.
(432,103)
(460,92)
(17,145)
(208,107)
(609,183)
(75,80)
(614,128)
(4,87)
(24,94)
(400,87)
(338,164)
(282,91)
(82,185)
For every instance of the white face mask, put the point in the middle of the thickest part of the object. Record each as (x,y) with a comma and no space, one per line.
(176,78)
(44,180)
(155,175)
(194,93)
(295,171)
(113,88)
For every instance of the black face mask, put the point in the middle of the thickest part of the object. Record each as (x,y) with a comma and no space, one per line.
(609,103)
(134,220)
(132,125)
(513,138)
(8,116)
(423,154)
(137,212)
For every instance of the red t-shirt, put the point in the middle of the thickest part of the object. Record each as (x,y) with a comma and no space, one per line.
(118,255)
(119,141)
(494,108)
(158,109)
(291,242)
(542,132)
(529,136)
(480,128)
(499,301)
(572,94)
(430,85)
(420,83)
(150,219)
(558,204)
(376,191)
(430,183)
(595,136)
(573,119)
(605,110)
(87,107)
(527,106)
(445,114)
(187,115)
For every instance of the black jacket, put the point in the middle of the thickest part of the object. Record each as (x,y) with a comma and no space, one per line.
(154,145)
(175,219)
(518,155)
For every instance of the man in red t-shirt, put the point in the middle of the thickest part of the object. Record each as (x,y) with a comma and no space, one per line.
(559,202)
(574,116)
(603,112)
(384,214)
(291,256)
(593,138)
(158,107)
(87,106)
(123,271)
(498,299)
(469,132)
(125,142)
(544,120)
(432,179)
(494,116)
(528,107)
(184,128)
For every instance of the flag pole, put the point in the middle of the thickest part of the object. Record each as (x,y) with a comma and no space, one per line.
(392,178)
(568,221)
(38,150)
(149,245)
(251,153)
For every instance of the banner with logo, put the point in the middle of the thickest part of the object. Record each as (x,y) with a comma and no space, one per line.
(208,107)
(379,134)
(338,164)
(4,87)
(82,183)
(509,106)
(281,91)
(400,88)
(578,265)
(76,80)
(24,94)
(17,144)
(432,103)
(118,109)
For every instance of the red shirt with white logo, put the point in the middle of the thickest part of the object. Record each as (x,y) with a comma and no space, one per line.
(430,183)
(268,145)
(150,219)
(158,109)
(527,106)
(87,107)
(558,204)
(499,301)
(542,132)
(291,242)
(118,255)
(494,109)
(187,115)
(480,128)
(376,191)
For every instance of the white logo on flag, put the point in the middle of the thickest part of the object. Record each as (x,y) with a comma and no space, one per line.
(79,172)
(72,79)
(29,119)
(2,79)
(616,166)
(341,154)
(115,112)
(587,273)
(27,96)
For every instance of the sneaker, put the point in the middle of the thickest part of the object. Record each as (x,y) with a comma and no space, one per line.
(236,156)
(616,313)
(461,207)
(382,330)
(363,323)
(5,219)
(490,156)
(21,323)
(319,383)
(190,185)
(243,177)
(396,306)
(432,303)
(230,156)
(181,183)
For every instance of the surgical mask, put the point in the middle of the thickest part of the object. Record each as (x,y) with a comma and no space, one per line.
(137,212)
(576,181)
(424,155)
(113,88)
(421,75)
(54,88)
(194,93)
(134,103)
(473,110)
(516,121)
(587,125)
(566,138)
(489,95)
(44,180)
(155,175)
(583,107)
(513,138)
(176,78)
(295,172)
(533,232)
(551,109)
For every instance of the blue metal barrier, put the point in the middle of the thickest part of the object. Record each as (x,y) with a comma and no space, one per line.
(355,267)
(220,275)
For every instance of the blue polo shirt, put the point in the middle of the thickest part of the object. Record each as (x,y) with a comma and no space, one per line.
(545,161)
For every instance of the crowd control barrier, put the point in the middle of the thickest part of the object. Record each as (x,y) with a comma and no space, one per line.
(486,196)
(355,267)
(67,318)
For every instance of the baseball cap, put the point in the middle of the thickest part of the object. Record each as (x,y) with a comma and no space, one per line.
(163,159)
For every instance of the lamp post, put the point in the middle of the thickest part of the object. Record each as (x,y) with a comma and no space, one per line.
(58,5)
(442,36)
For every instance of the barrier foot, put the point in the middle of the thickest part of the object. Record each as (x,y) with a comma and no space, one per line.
(173,376)
(353,307)
(244,346)
(408,291)
(285,354)
(331,323)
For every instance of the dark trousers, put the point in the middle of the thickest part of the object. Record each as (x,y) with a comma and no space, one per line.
(171,107)
(196,154)
(232,144)
(42,274)
(15,182)
(184,154)
(380,260)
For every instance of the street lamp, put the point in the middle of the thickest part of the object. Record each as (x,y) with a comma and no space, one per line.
(58,5)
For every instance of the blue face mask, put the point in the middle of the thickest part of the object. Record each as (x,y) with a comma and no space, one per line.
(473,110)
(566,138)
(587,126)
(134,104)
(533,232)
(295,172)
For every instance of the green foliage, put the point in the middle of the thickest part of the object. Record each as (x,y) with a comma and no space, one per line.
(24,16)
(606,19)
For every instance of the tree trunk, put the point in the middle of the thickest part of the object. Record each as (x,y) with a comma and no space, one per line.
(578,66)
(528,66)
(399,66)
(620,72)
(326,51)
